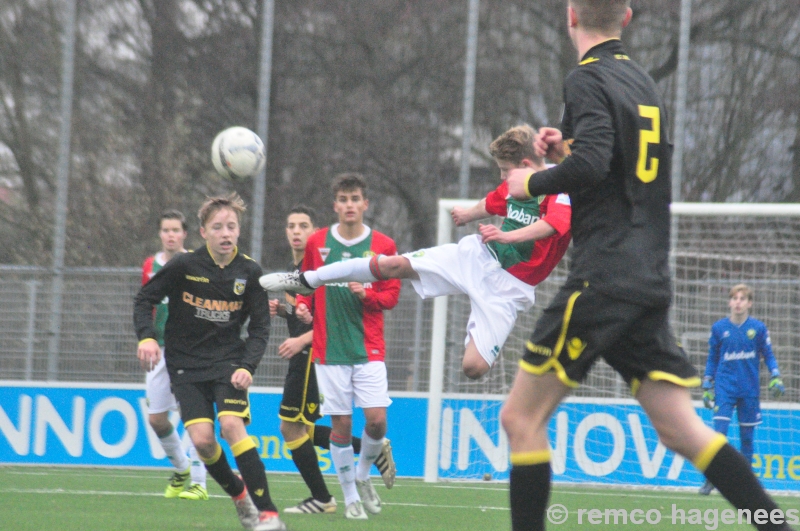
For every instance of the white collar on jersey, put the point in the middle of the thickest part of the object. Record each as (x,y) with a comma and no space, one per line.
(349,243)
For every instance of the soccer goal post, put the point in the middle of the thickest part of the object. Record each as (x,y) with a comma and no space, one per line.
(600,434)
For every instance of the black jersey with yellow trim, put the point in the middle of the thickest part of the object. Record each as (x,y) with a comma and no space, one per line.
(617,176)
(208,306)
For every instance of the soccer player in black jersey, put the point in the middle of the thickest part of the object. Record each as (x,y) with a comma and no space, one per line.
(299,408)
(615,164)
(211,293)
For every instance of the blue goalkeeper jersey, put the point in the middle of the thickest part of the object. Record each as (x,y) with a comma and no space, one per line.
(734,355)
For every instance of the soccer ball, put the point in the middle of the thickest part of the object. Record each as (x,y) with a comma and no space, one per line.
(237,153)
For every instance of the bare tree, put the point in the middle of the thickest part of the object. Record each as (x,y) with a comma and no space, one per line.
(374,87)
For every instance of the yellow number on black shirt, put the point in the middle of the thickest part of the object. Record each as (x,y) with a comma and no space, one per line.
(647,137)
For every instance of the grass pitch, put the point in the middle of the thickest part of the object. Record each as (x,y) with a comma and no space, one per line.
(93,499)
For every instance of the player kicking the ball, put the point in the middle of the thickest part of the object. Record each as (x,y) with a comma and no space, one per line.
(497,270)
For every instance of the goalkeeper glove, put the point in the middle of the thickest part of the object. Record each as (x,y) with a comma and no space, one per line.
(708,394)
(776,387)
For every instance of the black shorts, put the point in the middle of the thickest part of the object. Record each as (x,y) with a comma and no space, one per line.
(197,400)
(301,401)
(582,325)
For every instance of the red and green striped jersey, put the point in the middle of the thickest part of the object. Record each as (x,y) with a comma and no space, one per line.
(348,330)
(530,261)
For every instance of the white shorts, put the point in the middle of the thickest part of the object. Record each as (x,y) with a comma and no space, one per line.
(157,389)
(495,295)
(339,385)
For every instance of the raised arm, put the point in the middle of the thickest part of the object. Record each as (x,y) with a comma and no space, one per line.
(462,216)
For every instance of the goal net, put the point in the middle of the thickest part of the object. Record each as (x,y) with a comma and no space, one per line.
(600,434)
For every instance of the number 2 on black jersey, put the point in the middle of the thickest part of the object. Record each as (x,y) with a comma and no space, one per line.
(646,137)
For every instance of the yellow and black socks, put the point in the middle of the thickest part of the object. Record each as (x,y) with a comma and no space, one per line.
(221,471)
(732,475)
(529,490)
(305,459)
(251,467)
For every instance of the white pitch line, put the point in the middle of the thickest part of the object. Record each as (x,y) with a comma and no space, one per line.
(159,494)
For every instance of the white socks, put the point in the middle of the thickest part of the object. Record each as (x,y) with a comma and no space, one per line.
(174,450)
(344,461)
(353,270)
(198,468)
(370,450)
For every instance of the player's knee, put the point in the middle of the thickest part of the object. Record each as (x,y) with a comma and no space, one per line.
(683,442)
(510,420)
(376,428)
(517,422)
(205,445)
(474,367)
(291,431)
(394,266)
(375,424)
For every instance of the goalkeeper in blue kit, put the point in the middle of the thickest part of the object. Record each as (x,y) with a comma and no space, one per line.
(735,349)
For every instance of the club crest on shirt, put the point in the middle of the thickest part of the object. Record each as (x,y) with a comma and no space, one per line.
(238,286)
(575,347)
(324,252)
(751,333)
(368,254)
(311,407)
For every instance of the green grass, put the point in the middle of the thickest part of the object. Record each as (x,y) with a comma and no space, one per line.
(94,499)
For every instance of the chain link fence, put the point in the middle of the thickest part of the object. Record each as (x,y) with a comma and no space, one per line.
(97,343)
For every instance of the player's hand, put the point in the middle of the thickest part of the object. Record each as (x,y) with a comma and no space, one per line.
(517,181)
(303,313)
(548,142)
(491,233)
(708,394)
(276,308)
(149,354)
(357,289)
(708,399)
(459,215)
(241,379)
(776,387)
(290,347)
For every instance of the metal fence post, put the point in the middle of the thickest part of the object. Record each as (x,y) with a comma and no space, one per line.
(62,187)
(31,331)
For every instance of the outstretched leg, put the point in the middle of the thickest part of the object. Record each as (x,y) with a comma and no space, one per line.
(371,269)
